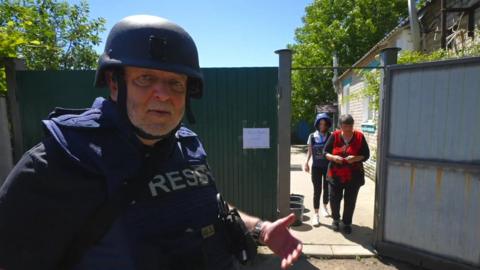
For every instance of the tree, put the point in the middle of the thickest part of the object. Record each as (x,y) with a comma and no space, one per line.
(348,28)
(49,34)
(422,3)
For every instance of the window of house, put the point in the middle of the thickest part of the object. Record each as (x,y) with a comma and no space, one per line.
(345,99)
(367,111)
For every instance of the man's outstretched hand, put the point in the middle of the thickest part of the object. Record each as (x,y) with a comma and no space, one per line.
(278,238)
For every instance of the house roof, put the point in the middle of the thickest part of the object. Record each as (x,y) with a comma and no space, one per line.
(329,108)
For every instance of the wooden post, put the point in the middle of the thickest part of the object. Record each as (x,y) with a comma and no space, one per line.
(11,67)
(443,22)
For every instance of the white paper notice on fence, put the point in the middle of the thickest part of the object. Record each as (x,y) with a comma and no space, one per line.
(256,138)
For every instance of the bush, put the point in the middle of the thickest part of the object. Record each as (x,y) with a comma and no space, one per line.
(372,79)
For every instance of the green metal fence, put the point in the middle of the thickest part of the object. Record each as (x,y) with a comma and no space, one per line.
(235,98)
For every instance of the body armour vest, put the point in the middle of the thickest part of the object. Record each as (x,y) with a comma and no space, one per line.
(172,221)
(317,141)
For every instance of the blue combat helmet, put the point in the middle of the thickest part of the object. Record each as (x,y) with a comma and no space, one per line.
(323,116)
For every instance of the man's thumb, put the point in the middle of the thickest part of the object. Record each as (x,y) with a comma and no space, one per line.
(289,220)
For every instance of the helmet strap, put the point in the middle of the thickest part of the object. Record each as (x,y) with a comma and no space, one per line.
(119,76)
(189,112)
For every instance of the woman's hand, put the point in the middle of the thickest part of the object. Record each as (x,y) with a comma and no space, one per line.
(338,159)
(351,159)
(306,168)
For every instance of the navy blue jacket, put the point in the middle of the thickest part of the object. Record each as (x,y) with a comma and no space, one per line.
(86,156)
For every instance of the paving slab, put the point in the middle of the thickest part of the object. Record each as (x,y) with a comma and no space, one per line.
(318,250)
(349,251)
(358,243)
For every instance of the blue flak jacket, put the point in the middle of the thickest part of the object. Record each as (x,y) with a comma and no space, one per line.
(317,142)
(85,157)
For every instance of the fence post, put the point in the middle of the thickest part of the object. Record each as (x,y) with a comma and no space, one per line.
(6,152)
(388,56)
(11,67)
(284,122)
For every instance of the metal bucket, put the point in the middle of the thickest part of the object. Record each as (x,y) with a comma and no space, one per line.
(296,199)
(297,209)
(297,195)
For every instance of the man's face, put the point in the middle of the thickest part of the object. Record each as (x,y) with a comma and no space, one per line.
(155,99)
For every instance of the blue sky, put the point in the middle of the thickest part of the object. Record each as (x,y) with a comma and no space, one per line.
(228,33)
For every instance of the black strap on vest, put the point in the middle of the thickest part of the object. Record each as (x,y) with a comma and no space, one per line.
(101,221)
(189,112)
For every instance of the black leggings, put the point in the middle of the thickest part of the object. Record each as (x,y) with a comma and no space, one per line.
(319,179)
(347,192)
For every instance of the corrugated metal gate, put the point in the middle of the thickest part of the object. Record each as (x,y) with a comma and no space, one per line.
(235,98)
(428,193)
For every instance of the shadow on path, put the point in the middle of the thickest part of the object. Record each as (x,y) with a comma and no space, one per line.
(305,227)
(300,148)
(267,262)
(361,235)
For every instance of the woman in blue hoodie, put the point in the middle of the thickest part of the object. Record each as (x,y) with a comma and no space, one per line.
(316,143)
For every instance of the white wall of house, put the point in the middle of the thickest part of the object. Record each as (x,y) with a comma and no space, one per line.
(358,107)
(356,104)
(404,40)
(353,102)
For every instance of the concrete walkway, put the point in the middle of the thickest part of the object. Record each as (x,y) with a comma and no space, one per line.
(323,241)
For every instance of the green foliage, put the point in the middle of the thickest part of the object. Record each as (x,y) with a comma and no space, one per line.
(49,34)
(3,82)
(349,28)
(372,86)
(372,79)
(422,3)
(413,57)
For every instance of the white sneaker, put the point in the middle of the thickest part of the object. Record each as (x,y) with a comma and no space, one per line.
(316,220)
(325,211)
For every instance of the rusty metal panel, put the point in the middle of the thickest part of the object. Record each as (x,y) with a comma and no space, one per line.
(435,210)
(428,193)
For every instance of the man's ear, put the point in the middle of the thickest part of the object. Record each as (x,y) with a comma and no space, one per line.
(112,85)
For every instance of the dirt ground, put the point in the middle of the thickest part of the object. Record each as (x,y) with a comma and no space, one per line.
(367,263)
(311,263)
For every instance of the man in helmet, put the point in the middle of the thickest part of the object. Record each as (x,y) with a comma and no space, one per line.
(123,185)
